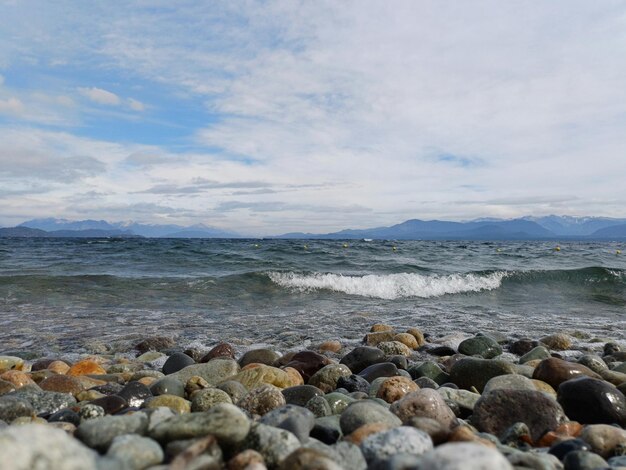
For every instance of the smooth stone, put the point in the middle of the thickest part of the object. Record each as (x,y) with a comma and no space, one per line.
(111,404)
(407,339)
(300,394)
(363,412)
(561,449)
(155,343)
(394,388)
(202,400)
(537,353)
(430,370)
(99,433)
(497,410)
(176,362)
(173,402)
(401,362)
(593,362)
(262,374)
(110,388)
(463,398)
(226,422)
(583,460)
(404,439)
(604,439)
(12,408)
(375,338)
(533,460)
(90,411)
(235,390)
(86,367)
(523,346)
(555,371)
(262,400)
(457,456)
(308,363)
(557,341)
(10,363)
(525,370)
(425,382)
(361,357)
(150,356)
(168,386)
(378,327)
(65,416)
(392,348)
(295,419)
(34,446)
(44,403)
(272,443)
(375,385)
(18,378)
(441,351)
(326,378)
(319,406)
(246,460)
(327,429)
(307,458)
(427,403)
(338,402)
(375,371)
(474,372)
(353,383)
(260,356)
(63,384)
(480,345)
(135,452)
(214,372)
(223,350)
(611,348)
(332,346)
(509,382)
(135,394)
(592,401)
(6,387)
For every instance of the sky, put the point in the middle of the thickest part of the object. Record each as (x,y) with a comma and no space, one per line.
(265,117)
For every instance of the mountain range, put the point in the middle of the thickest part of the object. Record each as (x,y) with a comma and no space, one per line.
(525,228)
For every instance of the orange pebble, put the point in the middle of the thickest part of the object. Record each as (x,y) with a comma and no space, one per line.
(359,434)
(86,367)
(17,378)
(332,346)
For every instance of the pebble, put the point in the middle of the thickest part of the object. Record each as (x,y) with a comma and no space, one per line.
(463,398)
(474,372)
(604,439)
(261,400)
(555,371)
(509,382)
(214,372)
(304,458)
(176,362)
(375,338)
(391,348)
(135,452)
(173,402)
(223,350)
(235,390)
(272,443)
(17,378)
(427,403)
(394,388)
(326,378)
(65,416)
(523,346)
(537,353)
(563,448)
(168,386)
(593,362)
(480,346)
(583,460)
(499,409)
(259,356)
(364,412)
(135,394)
(10,363)
(98,433)
(383,445)
(338,402)
(12,408)
(327,429)
(592,401)
(457,455)
(407,339)
(319,406)
(262,374)
(226,422)
(44,403)
(295,419)
(62,383)
(430,370)
(308,363)
(203,400)
(557,341)
(155,343)
(382,369)
(111,404)
(6,387)
(90,411)
(35,446)
(86,367)
(361,357)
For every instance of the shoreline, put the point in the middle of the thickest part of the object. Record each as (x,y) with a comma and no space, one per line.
(395,400)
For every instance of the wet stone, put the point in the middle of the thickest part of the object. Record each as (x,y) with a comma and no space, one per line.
(561,449)
(353,383)
(176,362)
(327,429)
(111,404)
(401,362)
(301,394)
(168,386)
(537,353)
(361,357)
(426,403)
(480,345)
(338,402)
(295,419)
(65,416)
(583,460)
(221,350)
(135,394)
(383,369)
(110,388)
(207,398)
(441,351)
(173,402)
(523,346)
(425,382)
(99,433)
(155,343)
(475,372)
(593,362)
(430,370)
(44,403)
(326,378)
(555,371)
(260,356)
(592,401)
(364,412)
(308,363)
(319,406)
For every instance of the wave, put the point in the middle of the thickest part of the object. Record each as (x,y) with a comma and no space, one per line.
(391,286)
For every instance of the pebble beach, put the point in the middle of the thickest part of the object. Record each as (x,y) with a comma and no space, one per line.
(403,398)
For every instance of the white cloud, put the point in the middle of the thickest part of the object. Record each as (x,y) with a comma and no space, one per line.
(11,106)
(136,105)
(100,96)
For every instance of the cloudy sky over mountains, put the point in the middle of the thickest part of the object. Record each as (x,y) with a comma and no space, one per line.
(267,117)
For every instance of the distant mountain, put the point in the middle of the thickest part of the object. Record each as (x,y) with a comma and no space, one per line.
(22,232)
(129,228)
(615,232)
(415,229)
(92,233)
(575,226)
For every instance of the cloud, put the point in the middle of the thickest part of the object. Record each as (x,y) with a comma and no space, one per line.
(100,96)
(136,105)
(11,106)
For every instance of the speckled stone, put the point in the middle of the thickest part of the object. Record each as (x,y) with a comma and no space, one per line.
(338,402)
(272,443)
(43,402)
(361,357)
(557,341)
(394,388)
(90,411)
(456,455)
(214,371)
(62,383)
(497,410)
(465,399)
(593,362)
(401,440)
(474,372)
(484,346)
(226,422)
(262,399)
(17,378)
(326,378)
(555,371)
(365,412)
(12,408)
(224,350)
(393,347)
(319,406)
(308,363)
(263,374)
(173,402)
(425,403)
(202,400)
(235,390)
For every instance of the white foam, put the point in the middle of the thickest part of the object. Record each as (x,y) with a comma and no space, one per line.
(390,286)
